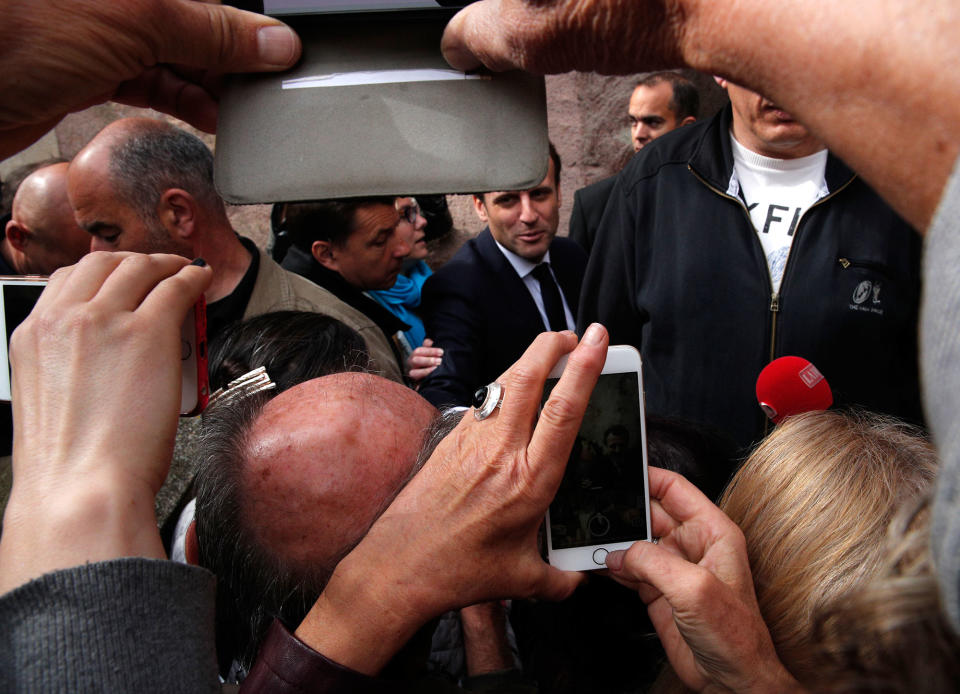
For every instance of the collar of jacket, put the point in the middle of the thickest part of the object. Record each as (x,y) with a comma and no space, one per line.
(710,154)
(304,264)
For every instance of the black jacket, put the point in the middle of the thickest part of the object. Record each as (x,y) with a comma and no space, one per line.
(478,310)
(588,205)
(678,271)
(305,265)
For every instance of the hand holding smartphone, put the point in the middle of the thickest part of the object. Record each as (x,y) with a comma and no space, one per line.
(18,294)
(603,503)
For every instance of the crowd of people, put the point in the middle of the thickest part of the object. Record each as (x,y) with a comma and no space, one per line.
(345,518)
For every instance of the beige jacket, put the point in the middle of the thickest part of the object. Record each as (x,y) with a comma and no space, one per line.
(277,289)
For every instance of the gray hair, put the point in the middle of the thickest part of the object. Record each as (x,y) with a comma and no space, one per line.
(153,160)
(254,585)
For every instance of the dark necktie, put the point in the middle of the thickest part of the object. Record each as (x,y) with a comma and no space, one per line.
(552,301)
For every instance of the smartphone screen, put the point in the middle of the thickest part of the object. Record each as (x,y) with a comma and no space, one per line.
(17,299)
(602,498)
(18,296)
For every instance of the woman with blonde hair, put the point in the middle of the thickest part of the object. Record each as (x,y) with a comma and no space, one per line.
(814,502)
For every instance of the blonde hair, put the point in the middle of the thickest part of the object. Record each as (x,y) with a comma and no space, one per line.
(891,634)
(814,501)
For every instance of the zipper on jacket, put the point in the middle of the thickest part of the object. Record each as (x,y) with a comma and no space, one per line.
(775,296)
(846,264)
(774,312)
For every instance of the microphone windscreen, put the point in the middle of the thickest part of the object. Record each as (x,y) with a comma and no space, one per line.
(791,385)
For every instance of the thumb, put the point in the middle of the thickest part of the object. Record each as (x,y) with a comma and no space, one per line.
(225,39)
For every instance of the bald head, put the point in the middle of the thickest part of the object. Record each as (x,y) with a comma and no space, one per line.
(143,185)
(42,234)
(325,458)
(289,485)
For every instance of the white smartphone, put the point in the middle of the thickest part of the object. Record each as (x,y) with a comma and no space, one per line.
(603,503)
(19,294)
(17,298)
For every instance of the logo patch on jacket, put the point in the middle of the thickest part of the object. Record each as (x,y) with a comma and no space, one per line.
(866,297)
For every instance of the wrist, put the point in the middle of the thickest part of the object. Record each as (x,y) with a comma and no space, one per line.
(485,638)
(700,40)
(358,621)
(66,525)
(776,679)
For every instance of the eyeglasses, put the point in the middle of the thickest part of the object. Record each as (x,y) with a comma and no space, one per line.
(410,211)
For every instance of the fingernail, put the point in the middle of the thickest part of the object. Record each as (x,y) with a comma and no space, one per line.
(199,262)
(277,45)
(437,361)
(615,559)
(594,334)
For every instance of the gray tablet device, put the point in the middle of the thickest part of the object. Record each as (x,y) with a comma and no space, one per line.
(373,109)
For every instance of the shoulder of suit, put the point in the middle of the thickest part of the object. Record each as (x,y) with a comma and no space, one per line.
(598,189)
(466,262)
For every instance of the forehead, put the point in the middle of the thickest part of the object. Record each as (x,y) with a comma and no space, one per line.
(548,182)
(655,99)
(88,181)
(370,220)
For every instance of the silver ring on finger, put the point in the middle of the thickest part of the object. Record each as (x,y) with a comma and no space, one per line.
(486,400)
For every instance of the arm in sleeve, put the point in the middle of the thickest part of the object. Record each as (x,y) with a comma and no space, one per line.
(454,324)
(608,295)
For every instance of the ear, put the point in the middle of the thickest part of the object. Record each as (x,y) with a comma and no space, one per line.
(178,211)
(687,121)
(191,546)
(480,208)
(18,235)
(323,252)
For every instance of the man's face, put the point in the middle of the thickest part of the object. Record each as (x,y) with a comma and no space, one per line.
(523,221)
(650,113)
(113,224)
(372,256)
(763,127)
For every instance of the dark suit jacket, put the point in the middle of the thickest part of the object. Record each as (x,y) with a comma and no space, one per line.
(478,310)
(588,206)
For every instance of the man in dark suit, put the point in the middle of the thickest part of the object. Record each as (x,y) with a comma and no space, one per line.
(501,289)
(661,102)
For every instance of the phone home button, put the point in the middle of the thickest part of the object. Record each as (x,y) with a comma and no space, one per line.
(600,556)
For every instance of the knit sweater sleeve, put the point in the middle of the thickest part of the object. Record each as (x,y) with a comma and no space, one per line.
(940,362)
(126,625)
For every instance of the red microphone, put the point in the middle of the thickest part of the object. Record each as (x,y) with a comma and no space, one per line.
(791,385)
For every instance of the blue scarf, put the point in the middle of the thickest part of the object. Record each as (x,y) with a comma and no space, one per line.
(403,297)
